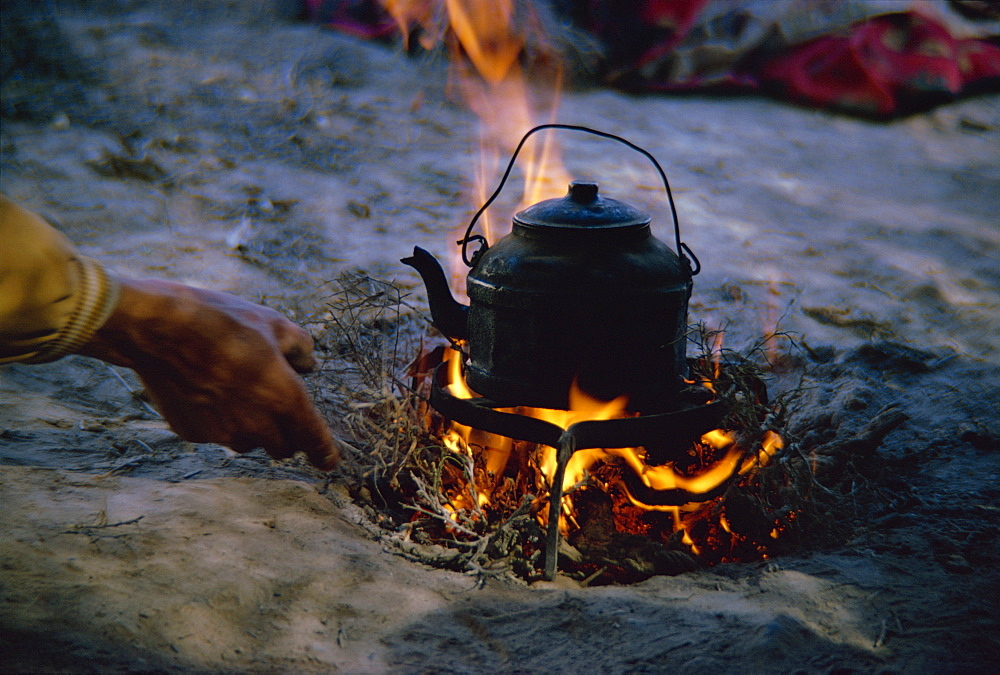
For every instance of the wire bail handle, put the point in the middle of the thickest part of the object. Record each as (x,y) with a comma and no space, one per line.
(464,242)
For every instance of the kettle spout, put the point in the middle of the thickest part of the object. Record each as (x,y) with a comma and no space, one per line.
(448,315)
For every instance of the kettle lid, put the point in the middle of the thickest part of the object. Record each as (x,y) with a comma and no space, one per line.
(582,208)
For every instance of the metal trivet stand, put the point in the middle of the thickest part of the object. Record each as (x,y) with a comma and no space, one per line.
(669,432)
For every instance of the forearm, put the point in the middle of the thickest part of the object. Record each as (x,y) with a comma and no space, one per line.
(52,299)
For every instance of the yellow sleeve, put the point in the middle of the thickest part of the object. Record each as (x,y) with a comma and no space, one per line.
(52,299)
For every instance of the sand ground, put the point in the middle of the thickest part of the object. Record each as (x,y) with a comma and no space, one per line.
(264,157)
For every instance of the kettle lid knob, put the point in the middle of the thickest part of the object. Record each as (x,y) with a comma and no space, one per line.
(583,192)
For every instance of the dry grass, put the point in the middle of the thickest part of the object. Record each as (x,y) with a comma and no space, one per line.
(374,386)
(369,334)
(812,495)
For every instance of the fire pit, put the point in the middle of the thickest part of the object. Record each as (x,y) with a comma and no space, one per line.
(581,303)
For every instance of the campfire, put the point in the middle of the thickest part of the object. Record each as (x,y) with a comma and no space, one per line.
(616,509)
(596,490)
(564,427)
(581,291)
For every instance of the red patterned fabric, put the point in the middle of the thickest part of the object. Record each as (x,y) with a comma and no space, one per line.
(882,67)
(816,54)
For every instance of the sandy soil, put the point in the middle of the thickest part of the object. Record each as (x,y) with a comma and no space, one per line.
(236,149)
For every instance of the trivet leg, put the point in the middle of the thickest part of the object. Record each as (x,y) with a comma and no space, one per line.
(567,446)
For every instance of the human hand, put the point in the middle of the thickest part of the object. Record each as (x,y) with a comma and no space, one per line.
(221,369)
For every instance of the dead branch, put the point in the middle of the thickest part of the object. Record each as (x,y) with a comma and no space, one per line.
(865,441)
(89,529)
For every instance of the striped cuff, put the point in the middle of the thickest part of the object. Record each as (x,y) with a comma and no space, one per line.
(97,296)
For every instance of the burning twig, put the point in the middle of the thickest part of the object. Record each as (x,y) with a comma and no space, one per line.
(460,517)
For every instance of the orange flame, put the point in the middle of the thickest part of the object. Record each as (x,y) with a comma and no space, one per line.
(459,438)
(582,408)
(484,31)
(487,42)
(734,461)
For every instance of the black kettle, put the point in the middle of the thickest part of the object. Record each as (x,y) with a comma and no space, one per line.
(580,290)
